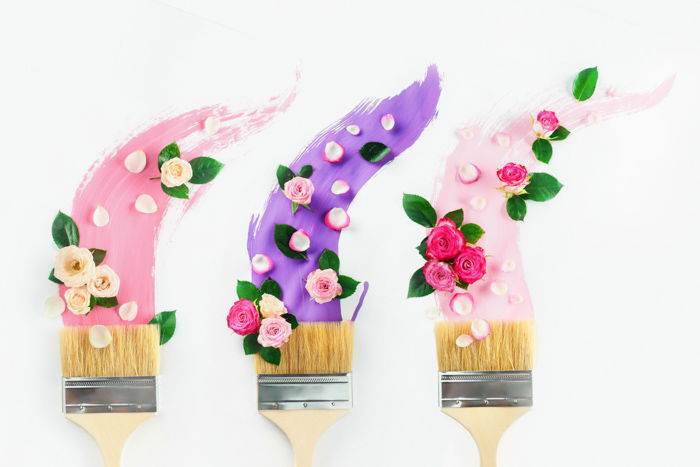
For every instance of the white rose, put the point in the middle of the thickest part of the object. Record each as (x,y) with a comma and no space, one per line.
(78,300)
(74,266)
(175,172)
(271,306)
(104,282)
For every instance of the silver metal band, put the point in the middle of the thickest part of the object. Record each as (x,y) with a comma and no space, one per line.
(304,392)
(110,395)
(485,389)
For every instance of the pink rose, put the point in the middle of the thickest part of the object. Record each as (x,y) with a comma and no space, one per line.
(548,120)
(323,285)
(512,174)
(444,241)
(299,190)
(274,332)
(439,275)
(470,264)
(243,318)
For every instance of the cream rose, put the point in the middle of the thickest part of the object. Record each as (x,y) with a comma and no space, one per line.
(271,306)
(175,172)
(78,300)
(74,266)
(104,282)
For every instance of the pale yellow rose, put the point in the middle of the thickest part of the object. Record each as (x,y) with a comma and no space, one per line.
(271,306)
(104,282)
(78,300)
(175,172)
(74,266)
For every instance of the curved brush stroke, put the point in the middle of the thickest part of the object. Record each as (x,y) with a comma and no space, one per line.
(477,146)
(130,237)
(414,108)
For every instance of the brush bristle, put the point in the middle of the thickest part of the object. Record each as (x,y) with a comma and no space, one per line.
(510,347)
(314,348)
(134,351)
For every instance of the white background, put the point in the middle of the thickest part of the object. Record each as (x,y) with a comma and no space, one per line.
(612,263)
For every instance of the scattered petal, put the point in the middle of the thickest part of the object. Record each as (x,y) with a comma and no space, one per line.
(432,313)
(135,162)
(466,133)
(54,306)
(340,187)
(478,203)
(299,241)
(508,266)
(465,340)
(100,217)
(333,152)
(128,311)
(353,129)
(211,125)
(146,204)
(503,139)
(480,329)
(499,288)
(337,219)
(611,92)
(516,299)
(594,117)
(100,336)
(388,122)
(462,303)
(261,263)
(468,173)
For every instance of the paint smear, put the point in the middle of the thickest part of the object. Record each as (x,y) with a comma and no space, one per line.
(413,109)
(130,237)
(503,294)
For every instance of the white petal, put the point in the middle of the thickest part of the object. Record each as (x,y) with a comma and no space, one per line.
(100,217)
(146,204)
(54,306)
(299,241)
(211,125)
(478,203)
(432,313)
(594,117)
(128,311)
(480,329)
(135,162)
(337,219)
(261,263)
(468,173)
(464,340)
(508,266)
(516,299)
(100,336)
(499,288)
(503,139)
(353,129)
(333,152)
(462,303)
(466,133)
(340,187)
(388,122)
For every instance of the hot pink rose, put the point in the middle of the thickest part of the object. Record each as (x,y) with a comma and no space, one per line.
(439,275)
(299,190)
(470,264)
(512,174)
(323,285)
(274,332)
(548,120)
(444,241)
(243,318)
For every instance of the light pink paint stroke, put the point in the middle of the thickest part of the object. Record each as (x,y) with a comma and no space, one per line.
(130,237)
(477,145)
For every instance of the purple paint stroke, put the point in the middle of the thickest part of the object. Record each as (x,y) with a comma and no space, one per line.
(414,108)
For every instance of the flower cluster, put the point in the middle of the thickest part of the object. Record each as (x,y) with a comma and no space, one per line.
(326,283)
(298,188)
(176,173)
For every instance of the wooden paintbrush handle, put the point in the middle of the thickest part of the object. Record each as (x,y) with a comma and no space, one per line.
(110,430)
(487,425)
(304,428)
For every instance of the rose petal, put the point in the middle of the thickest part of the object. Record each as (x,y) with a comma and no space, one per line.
(432,313)
(594,117)
(499,288)
(337,219)
(503,139)
(128,311)
(462,303)
(516,299)
(99,336)
(353,129)
(54,306)
(299,241)
(468,173)
(464,340)
(100,216)
(466,133)
(388,122)
(262,263)
(478,203)
(211,125)
(333,152)
(340,187)
(508,266)
(480,329)
(146,204)
(135,162)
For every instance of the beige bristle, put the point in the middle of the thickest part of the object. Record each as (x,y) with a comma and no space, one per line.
(510,347)
(134,351)
(314,348)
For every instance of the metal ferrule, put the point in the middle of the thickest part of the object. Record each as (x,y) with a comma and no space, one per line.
(485,389)
(110,395)
(304,392)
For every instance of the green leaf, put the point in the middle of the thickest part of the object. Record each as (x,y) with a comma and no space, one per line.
(374,152)
(419,210)
(64,231)
(295,206)
(291,319)
(93,302)
(585,83)
(251,345)
(560,134)
(417,286)
(180,191)
(542,149)
(348,284)
(329,260)
(284,174)
(98,255)
(542,187)
(248,290)
(472,232)
(423,247)
(167,322)
(53,278)
(171,151)
(457,216)
(306,171)
(271,355)
(106,302)
(271,287)
(462,285)
(204,169)
(516,208)
(283,233)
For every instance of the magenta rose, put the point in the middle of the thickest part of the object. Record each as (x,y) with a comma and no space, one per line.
(299,190)
(274,332)
(444,241)
(470,264)
(439,275)
(323,285)
(243,318)
(548,120)
(512,174)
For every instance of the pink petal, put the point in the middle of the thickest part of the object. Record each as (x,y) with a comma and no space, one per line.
(340,187)
(388,122)
(333,152)
(262,263)
(299,241)
(481,329)
(337,219)
(464,340)
(468,173)
(462,303)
